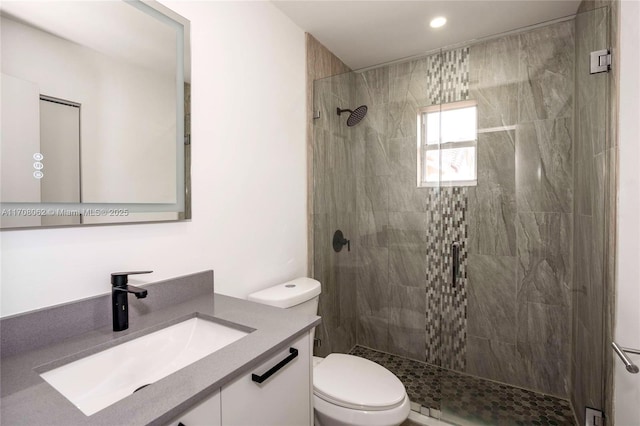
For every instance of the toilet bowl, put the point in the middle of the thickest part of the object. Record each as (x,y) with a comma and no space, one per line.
(347,390)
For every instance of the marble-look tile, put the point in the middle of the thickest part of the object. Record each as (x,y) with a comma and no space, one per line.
(320,138)
(324,262)
(408,267)
(494,360)
(376,120)
(373,332)
(484,68)
(543,323)
(347,294)
(407,230)
(339,319)
(545,257)
(547,367)
(407,321)
(491,217)
(373,228)
(597,246)
(372,193)
(405,196)
(492,203)
(497,105)
(582,286)
(492,297)
(376,154)
(583,172)
(543,344)
(403,153)
(343,87)
(373,282)
(336,187)
(544,172)
(546,72)
(413,69)
(403,119)
(359,152)
(372,86)
(409,84)
(496,159)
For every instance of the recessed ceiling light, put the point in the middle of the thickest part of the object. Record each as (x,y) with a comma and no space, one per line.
(438,22)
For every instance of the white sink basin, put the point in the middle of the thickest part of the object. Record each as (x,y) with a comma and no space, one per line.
(101,379)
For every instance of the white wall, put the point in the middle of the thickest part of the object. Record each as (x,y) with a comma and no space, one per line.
(249,176)
(627,331)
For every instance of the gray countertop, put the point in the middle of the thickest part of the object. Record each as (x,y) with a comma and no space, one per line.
(28,400)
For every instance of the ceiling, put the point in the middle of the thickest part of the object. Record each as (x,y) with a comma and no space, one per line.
(365,33)
(113,28)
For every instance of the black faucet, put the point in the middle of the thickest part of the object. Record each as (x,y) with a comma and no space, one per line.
(120,298)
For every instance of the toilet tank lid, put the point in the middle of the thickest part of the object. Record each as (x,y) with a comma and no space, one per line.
(288,294)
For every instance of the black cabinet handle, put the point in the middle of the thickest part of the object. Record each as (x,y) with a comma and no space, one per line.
(293,352)
(455,268)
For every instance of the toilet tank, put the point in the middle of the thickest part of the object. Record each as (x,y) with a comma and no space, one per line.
(300,295)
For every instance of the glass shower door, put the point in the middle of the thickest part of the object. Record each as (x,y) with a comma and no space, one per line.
(529,233)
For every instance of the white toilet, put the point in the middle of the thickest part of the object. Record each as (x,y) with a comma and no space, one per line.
(347,390)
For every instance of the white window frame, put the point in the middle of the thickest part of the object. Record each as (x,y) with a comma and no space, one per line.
(423,147)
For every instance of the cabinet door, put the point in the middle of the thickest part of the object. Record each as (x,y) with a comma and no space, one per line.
(281,400)
(207,413)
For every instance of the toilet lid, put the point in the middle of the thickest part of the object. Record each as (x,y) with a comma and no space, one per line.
(353,382)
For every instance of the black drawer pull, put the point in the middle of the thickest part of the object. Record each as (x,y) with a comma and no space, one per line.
(293,352)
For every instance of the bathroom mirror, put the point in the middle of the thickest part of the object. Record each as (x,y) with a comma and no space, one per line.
(95,113)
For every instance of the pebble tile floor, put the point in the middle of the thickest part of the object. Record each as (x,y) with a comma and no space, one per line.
(469,400)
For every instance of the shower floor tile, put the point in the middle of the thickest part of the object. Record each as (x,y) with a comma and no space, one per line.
(469,400)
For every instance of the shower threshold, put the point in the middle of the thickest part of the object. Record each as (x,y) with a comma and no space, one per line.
(461,399)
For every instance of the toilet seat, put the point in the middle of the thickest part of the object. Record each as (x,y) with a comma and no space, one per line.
(357,383)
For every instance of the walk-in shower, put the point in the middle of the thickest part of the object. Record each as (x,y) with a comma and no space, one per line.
(523,215)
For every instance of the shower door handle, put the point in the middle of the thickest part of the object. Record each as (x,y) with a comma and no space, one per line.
(455,267)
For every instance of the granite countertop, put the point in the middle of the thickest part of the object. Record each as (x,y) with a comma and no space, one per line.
(28,400)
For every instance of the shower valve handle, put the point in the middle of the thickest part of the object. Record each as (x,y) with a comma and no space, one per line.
(340,241)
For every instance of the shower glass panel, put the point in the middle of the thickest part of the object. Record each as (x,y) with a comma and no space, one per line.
(336,167)
(530,231)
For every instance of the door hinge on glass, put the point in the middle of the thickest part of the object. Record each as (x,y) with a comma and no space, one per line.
(593,417)
(600,61)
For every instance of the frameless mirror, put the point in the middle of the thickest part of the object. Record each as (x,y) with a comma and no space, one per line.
(95,113)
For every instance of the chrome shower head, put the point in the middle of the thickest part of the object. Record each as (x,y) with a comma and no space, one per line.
(355,116)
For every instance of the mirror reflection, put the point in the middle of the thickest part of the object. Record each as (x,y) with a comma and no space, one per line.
(93,102)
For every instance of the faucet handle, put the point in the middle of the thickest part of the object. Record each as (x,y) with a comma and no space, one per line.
(119,279)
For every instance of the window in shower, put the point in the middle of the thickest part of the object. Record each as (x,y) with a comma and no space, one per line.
(447,144)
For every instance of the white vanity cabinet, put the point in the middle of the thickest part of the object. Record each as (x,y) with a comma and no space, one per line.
(284,398)
(207,413)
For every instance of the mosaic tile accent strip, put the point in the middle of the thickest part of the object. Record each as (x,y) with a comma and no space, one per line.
(446,315)
(470,400)
(448,76)
(453,329)
(446,335)
(434,276)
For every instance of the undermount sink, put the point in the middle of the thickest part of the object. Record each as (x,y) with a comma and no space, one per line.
(99,380)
